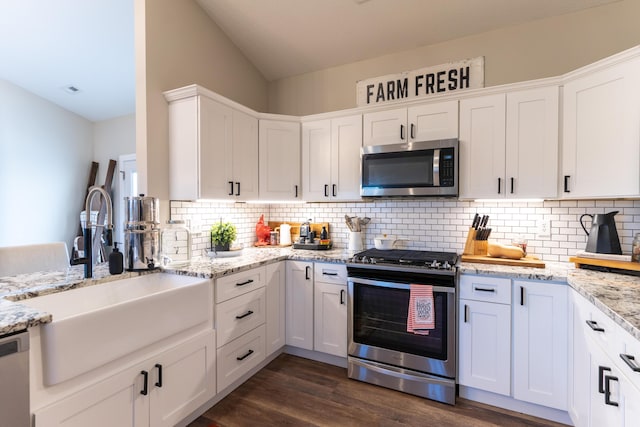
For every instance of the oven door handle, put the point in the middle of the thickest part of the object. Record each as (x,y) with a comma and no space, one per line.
(353,280)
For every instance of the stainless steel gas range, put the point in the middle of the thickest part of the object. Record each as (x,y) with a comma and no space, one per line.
(382,350)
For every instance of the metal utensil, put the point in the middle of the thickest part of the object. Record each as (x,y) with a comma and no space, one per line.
(347,220)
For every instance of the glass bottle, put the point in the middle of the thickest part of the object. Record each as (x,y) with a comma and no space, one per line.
(175,241)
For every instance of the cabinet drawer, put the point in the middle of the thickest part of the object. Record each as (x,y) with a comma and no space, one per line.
(485,288)
(602,330)
(631,350)
(239,283)
(239,356)
(240,315)
(330,273)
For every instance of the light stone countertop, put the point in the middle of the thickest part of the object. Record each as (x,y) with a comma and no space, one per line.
(616,295)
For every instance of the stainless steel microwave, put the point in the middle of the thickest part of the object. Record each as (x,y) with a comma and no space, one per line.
(428,168)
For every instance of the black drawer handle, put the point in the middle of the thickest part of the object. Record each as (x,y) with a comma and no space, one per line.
(594,325)
(326,190)
(159,382)
(296,188)
(249,353)
(402,132)
(630,361)
(566,183)
(512,179)
(329,274)
(245,283)
(483,289)
(413,131)
(231,188)
(335,188)
(601,371)
(145,383)
(238,192)
(342,296)
(307,269)
(248,313)
(521,295)
(499,185)
(466,313)
(607,390)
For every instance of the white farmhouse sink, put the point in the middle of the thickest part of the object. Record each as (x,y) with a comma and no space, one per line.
(97,324)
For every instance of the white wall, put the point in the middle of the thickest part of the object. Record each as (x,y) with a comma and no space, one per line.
(543,48)
(45,157)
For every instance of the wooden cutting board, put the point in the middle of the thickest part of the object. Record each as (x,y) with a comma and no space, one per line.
(621,265)
(528,261)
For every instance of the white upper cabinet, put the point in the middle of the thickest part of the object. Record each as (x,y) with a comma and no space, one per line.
(482,147)
(509,145)
(331,159)
(601,131)
(418,123)
(213,151)
(279,154)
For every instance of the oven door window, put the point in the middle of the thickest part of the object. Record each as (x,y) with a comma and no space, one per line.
(398,170)
(380,320)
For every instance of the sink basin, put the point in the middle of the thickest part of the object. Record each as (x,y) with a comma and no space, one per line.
(97,324)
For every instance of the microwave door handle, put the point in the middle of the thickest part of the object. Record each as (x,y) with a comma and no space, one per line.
(436,167)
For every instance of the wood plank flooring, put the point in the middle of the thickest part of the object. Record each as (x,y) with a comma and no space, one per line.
(292,391)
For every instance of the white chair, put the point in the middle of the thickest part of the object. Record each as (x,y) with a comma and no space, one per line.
(32,258)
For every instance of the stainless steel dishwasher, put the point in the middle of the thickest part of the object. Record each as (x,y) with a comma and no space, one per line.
(14,383)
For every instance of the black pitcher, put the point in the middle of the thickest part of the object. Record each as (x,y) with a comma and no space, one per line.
(603,237)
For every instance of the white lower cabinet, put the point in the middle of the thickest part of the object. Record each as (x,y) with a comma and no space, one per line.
(160,391)
(299,304)
(276,300)
(513,339)
(240,315)
(603,391)
(485,334)
(330,318)
(540,343)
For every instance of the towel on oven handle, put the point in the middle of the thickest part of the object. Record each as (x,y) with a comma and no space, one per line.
(422,312)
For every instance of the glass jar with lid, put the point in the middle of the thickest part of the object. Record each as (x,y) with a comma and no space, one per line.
(175,243)
(635,249)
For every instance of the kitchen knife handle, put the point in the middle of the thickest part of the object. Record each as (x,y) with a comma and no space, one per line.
(238,192)
(402,132)
(512,179)
(296,188)
(499,185)
(231,188)
(566,183)
(326,190)
(335,188)
(413,131)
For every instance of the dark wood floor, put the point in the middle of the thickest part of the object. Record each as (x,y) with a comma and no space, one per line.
(292,391)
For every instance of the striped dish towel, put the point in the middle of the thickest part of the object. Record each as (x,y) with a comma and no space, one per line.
(422,310)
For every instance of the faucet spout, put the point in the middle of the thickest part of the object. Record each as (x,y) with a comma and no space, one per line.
(88,238)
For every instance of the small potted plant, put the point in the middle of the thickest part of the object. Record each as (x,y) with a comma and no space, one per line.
(222,235)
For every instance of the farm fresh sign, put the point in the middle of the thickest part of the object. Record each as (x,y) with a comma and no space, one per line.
(422,83)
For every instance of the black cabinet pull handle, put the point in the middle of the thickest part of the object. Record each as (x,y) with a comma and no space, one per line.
(483,289)
(402,132)
(607,390)
(248,313)
(521,295)
(630,361)
(145,383)
(413,131)
(249,353)
(341,296)
(296,188)
(601,371)
(324,273)
(238,192)
(307,269)
(594,325)
(326,190)
(499,185)
(566,183)
(466,313)
(244,283)
(159,382)
(231,188)
(512,179)
(335,190)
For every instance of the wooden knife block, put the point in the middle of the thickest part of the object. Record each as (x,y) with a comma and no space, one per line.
(473,246)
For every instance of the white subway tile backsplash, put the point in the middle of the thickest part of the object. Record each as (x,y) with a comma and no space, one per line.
(430,224)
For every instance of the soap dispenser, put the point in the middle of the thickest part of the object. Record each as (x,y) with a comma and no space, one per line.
(116,265)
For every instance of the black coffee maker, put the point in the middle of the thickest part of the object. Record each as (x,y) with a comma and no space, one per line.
(603,237)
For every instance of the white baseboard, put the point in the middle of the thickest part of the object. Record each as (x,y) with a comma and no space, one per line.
(317,356)
(515,405)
